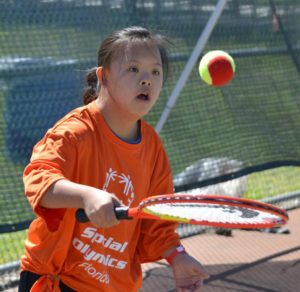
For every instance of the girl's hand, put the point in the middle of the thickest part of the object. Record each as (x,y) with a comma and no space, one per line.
(99,207)
(189,273)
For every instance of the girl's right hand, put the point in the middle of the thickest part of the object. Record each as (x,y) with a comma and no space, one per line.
(99,207)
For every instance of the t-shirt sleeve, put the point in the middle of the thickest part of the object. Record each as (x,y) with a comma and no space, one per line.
(52,159)
(157,236)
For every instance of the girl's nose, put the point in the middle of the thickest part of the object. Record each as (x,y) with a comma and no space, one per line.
(145,81)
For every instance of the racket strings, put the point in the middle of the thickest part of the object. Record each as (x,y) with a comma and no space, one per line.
(202,212)
(213,201)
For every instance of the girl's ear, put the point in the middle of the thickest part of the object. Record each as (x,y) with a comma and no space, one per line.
(101,76)
(99,72)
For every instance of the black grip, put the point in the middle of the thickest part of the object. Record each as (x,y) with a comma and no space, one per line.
(121,214)
(81,216)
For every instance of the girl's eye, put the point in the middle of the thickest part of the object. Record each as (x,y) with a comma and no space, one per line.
(156,72)
(133,69)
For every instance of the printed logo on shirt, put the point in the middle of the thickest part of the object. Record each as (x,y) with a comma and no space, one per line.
(102,277)
(110,243)
(112,176)
(93,257)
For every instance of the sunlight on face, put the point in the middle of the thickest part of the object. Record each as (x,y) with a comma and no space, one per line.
(134,79)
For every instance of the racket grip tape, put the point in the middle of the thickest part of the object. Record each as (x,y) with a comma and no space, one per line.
(121,214)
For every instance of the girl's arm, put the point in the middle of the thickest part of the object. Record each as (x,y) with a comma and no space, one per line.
(98,205)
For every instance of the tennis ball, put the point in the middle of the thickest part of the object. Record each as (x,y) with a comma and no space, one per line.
(216,68)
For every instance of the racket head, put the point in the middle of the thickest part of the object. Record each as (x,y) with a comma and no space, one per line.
(212,210)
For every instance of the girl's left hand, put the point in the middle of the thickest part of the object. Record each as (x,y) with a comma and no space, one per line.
(189,273)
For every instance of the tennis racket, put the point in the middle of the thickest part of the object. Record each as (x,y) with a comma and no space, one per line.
(209,210)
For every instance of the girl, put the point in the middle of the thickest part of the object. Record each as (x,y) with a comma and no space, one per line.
(99,156)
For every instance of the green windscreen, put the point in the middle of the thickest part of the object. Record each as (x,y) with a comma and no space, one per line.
(246,131)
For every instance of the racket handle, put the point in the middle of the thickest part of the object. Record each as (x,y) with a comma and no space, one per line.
(121,214)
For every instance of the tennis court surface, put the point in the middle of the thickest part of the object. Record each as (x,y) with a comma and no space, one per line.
(246,261)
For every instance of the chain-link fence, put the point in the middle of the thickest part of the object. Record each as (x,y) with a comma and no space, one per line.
(244,133)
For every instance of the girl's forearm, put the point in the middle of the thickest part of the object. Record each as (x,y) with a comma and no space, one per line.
(64,194)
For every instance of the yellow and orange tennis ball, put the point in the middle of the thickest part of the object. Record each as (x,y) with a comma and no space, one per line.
(216,68)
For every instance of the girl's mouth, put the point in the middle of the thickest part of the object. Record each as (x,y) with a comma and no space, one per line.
(143,96)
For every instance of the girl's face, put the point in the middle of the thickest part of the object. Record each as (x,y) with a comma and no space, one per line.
(134,80)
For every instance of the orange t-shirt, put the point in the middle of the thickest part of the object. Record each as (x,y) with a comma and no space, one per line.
(83,149)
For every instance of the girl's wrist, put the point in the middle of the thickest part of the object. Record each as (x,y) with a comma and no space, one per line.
(178,250)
